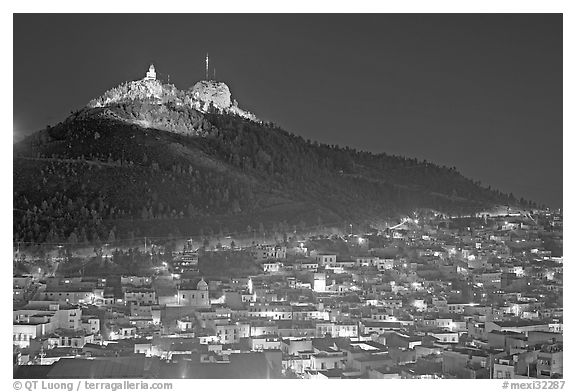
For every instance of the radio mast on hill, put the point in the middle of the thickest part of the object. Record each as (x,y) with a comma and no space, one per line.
(207,60)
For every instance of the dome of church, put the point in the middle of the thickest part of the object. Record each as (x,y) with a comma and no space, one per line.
(202,285)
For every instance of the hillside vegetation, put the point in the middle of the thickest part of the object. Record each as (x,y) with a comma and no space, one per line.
(121,172)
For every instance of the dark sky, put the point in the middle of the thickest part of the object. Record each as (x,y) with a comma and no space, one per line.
(481,92)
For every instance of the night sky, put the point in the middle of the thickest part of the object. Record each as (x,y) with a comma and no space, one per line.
(480,92)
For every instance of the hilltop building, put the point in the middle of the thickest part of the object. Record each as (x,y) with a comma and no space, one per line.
(151,74)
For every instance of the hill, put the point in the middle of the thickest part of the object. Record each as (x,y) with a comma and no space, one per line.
(147,159)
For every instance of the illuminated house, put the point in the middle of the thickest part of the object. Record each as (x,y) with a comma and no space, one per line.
(187,262)
(319,282)
(444,336)
(136,281)
(40,318)
(335,330)
(325,259)
(504,368)
(267,252)
(139,295)
(90,324)
(265,342)
(550,362)
(309,266)
(379,327)
(385,264)
(309,312)
(271,311)
(367,261)
(271,266)
(72,295)
(69,338)
(184,324)
(327,355)
(228,333)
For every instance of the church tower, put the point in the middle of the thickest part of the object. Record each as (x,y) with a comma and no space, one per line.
(151,74)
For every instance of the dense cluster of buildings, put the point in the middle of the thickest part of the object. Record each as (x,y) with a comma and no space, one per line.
(431,298)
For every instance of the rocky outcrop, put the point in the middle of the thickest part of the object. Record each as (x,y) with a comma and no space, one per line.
(218,94)
(213,92)
(203,96)
(140,90)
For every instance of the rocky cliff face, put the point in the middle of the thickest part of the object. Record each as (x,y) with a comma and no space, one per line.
(149,92)
(144,90)
(217,93)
